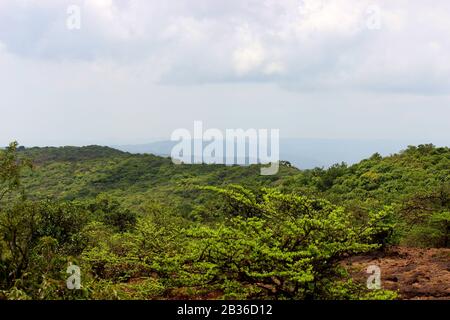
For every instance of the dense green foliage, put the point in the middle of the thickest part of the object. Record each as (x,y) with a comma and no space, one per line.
(140,227)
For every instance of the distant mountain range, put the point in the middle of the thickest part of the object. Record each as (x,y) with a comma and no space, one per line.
(307,153)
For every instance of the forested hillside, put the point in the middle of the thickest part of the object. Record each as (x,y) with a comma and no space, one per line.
(80,173)
(141,227)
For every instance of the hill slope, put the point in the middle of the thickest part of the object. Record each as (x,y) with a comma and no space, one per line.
(141,227)
(86,171)
(83,172)
(417,179)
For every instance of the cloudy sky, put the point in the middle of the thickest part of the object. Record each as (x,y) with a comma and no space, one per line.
(136,70)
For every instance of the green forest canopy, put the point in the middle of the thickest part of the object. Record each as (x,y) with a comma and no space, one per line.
(140,226)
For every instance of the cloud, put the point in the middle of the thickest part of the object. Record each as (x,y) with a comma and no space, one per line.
(249,55)
(301,45)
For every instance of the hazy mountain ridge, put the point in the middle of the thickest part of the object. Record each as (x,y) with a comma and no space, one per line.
(306,153)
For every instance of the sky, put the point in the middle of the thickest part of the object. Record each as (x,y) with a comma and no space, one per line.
(135,71)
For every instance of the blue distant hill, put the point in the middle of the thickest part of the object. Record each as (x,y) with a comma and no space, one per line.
(307,153)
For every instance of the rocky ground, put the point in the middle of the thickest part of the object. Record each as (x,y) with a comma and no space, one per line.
(415,273)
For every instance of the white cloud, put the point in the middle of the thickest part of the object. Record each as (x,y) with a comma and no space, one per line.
(249,54)
(274,68)
(303,44)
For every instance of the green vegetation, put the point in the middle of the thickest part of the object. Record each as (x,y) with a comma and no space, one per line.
(140,227)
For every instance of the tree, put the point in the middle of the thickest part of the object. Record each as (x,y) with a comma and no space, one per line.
(290,249)
(109,211)
(17,219)
(11,168)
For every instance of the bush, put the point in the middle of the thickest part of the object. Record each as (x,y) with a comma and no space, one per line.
(110,212)
(435,232)
(291,250)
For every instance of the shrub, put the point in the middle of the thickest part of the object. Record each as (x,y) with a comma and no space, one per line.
(291,250)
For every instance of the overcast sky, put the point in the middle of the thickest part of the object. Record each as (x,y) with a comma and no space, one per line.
(137,69)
